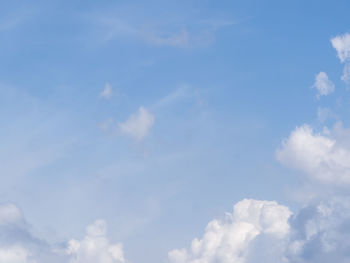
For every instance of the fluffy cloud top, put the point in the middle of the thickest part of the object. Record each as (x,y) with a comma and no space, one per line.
(95,247)
(342,46)
(231,240)
(323,85)
(138,125)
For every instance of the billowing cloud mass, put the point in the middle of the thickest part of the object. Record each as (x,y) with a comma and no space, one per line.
(95,247)
(323,85)
(263,231)
(138,125)
(317,155)
(236,238)
(342,46)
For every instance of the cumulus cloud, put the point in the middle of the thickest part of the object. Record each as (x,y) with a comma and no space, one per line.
(264,231)
(323,85)
(18,245)
(107,92)
(233,239)
(95,247)
(138,125)
(317,155)
(342,46)
(320,232)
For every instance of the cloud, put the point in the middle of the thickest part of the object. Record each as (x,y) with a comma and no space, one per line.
(346,73)
(10,214)
(233,239)
(95,247)
(181,34)
(138,125)
(323,85)
(319,156)
(264,231)
(179,39)
(320,232)
(107,93)
(18,245)
(15,254)
(11,222)
(342,46)
(184,91)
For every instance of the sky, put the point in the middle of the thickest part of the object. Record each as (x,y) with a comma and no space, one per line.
(174,131)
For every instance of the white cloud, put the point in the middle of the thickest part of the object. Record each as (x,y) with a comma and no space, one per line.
(18,245)
(320,232)
(342,46)
(107,93)
(231,240)
(323,85)
(317,155)
(138,125)
(15,254)
(263,231)
(95,247)
(12,223)
(324,114)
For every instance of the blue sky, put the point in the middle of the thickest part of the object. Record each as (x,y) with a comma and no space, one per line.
(155,117)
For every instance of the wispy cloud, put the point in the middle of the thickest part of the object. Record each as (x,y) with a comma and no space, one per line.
(107,92)
(178,35)
(341,44)
(138,125)
(14,19)
(323,85)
